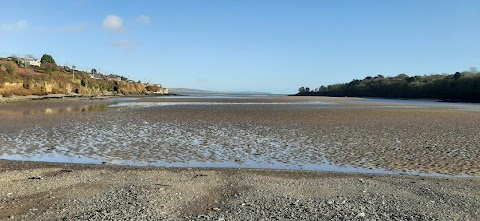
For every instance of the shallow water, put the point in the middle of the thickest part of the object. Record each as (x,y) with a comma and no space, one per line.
(155,104)
(123,132)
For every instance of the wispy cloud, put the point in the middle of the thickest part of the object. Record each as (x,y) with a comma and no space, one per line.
(113,23)
(17,26)
(143,19)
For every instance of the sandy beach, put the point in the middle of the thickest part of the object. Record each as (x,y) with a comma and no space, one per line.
(175,158)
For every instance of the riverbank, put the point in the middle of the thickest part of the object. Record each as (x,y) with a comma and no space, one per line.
(57,191)
(446,100)
(17,99)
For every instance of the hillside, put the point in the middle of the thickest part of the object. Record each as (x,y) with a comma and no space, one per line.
(190,91)
(53,79)
(198,91)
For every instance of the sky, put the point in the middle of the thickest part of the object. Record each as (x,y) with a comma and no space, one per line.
(272,46)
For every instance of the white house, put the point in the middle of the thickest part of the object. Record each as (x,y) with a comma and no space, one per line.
(34,62)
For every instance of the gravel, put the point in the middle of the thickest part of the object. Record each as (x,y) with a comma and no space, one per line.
(109,192)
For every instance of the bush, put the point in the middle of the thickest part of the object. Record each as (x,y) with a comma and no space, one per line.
(7,93)
(153,88)
(10,67)
(2,74)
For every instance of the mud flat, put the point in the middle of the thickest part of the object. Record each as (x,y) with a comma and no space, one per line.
(326,134)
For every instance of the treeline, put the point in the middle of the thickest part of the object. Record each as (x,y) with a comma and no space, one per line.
(463,86)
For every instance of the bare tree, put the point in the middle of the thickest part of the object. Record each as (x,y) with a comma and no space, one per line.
(473,70)
(31,57)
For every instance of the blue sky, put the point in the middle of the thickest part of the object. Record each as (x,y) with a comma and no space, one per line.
(247,45)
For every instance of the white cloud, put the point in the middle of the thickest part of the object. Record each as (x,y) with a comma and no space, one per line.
(17,26)
(113,23)
(143,19)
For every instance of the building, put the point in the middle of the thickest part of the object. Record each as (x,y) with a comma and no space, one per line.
(31,61)
(113,77)
(34,62)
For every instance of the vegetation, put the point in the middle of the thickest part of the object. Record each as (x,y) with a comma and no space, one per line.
(9,66)
(47,59)
(153,88)
(459,86)
(53,79)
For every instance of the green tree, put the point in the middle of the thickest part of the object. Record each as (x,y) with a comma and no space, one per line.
(47,59)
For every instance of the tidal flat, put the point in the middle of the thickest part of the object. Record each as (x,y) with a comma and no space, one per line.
(177,158)
(301,133)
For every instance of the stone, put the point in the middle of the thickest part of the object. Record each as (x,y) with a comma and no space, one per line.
(36,178)
(362,214)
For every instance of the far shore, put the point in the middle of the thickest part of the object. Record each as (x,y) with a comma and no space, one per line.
(459,100)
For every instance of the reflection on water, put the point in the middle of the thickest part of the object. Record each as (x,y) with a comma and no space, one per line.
(325,165)
(85,108)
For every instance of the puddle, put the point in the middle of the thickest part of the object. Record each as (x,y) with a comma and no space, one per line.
(85,108)
(324,166)
(52,157)
(50,111)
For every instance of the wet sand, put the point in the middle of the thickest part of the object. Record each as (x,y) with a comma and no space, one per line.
(306,133)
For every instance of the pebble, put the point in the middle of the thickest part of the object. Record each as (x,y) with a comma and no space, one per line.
(362,214)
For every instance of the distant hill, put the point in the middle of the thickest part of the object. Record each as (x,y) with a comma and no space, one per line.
(189,91)
(197,91)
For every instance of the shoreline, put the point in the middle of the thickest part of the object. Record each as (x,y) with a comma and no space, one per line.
(446,100)
(19,99)
(196,165)
(56,191)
